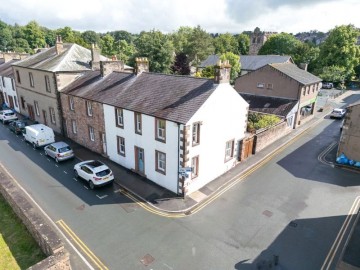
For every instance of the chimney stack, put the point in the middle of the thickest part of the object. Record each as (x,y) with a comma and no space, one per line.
(59,45)
(107,67)
(141,65)
(303,66)
(95,57)
(222,72)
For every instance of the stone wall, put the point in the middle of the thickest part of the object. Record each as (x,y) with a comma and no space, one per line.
(268,136)
(35,222)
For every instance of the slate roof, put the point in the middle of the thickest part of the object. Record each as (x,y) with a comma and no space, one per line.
(269,105)
(250,62)
(72,58)
(253,62)
(6,69)
(170,97)
(296,73)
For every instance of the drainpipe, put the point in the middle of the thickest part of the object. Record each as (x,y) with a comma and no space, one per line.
(178,160)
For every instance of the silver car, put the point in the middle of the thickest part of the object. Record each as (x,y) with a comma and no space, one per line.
(59,151)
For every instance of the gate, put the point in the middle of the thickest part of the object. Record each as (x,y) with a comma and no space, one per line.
(246,148)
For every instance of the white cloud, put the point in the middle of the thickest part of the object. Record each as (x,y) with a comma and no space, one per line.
(220,16)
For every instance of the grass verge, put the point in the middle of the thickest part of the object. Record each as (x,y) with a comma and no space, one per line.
(18,250)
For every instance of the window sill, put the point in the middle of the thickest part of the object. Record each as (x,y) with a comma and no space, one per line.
(160,171)
(160,140)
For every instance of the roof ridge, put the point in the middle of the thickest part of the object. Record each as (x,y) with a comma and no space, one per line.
(65,55)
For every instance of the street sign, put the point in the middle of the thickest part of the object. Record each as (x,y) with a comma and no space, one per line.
(186,169)
(184,174)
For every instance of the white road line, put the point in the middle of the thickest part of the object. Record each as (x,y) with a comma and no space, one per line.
(41,154)
(118,190)
(57,165)
(65,172)
(101,197)
(86,187)
(48,159)
(48,217)
(75,179)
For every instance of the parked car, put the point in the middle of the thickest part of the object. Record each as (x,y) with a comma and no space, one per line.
(94,172)
(60,151)
(7,116)
(17,126)
(338,113)
(327,85)
(39,135)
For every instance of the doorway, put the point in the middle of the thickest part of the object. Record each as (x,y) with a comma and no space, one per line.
(139,160)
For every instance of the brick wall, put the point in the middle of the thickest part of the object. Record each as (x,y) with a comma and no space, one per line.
(83,122)
(270,135)
(35,222)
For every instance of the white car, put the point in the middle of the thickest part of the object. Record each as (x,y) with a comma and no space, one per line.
(94,172)
(338,113)
(7,116)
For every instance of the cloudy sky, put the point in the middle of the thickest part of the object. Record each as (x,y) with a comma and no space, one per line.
(215,16)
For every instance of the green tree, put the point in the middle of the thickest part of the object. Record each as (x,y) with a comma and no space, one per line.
(200,45)
(258,121)
(208,72)
(158,48)
(34,35)
(226,43)
(306,53)
(243,44)
(280,44)
(67,34)
(181,39)
(50,37)
(124,50)
(90,37)
(122,35)
(181,65)
(6,39)
(108,45)
(234,61)
(333,74)
(340,49)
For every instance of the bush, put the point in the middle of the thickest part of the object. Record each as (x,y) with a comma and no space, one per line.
(258,121)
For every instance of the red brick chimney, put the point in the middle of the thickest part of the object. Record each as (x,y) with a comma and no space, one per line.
(222,72)
(59,45)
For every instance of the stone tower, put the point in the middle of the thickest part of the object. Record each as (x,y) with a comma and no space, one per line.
(257,40)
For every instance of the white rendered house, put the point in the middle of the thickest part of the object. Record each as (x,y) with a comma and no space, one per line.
(7,85)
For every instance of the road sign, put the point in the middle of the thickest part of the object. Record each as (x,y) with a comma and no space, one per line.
(184,174)
(186,169)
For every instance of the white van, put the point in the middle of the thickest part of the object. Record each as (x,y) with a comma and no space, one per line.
(39,135)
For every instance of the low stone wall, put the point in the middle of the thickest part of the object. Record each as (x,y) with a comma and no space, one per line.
(265,137)
(35,222)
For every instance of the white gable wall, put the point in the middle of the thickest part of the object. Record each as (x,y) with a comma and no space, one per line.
(147,142)
(10,92)
(223,117)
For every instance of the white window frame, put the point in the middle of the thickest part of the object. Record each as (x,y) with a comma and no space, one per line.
(74,126)
(194,167)
(196,133)
(121,145)
(119,113)
(160,162)
(89,109)
(229,150)
(31,78)
(71,103)
(36,105)
(160,131)
(47,84)
(52,115)
(260,85)
(91,133)
(138,124)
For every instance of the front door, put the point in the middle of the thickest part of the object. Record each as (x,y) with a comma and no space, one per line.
(139,160)
(31,112)
(44,116)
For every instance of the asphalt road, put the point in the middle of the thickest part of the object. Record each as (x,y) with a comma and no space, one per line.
(293,207)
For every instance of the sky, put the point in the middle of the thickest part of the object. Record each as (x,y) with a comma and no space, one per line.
(214,16)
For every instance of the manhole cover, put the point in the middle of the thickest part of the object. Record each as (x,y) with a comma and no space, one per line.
(147,259)
(267,213)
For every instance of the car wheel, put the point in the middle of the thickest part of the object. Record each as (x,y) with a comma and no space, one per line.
(91,184)
(57,160)
(34,145)
(76,174)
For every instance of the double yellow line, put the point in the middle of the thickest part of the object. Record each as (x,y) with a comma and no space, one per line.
(81,245)
(353,213)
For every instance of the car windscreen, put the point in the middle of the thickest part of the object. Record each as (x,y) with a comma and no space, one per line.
(64,149)
(103,173)
(9,114)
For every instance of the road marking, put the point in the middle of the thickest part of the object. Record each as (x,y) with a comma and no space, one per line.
(48,159)
(323,154)
(82,245)
(65,172)
(50,220)
(57,165)
(75,179)
(335,246)
(86,187)
(118,190)
(101,197)
(41,154)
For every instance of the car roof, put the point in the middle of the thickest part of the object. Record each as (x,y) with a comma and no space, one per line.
(59,144)
(95,165)
(7,111)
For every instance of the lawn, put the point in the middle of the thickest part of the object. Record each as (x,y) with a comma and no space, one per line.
(18,250)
